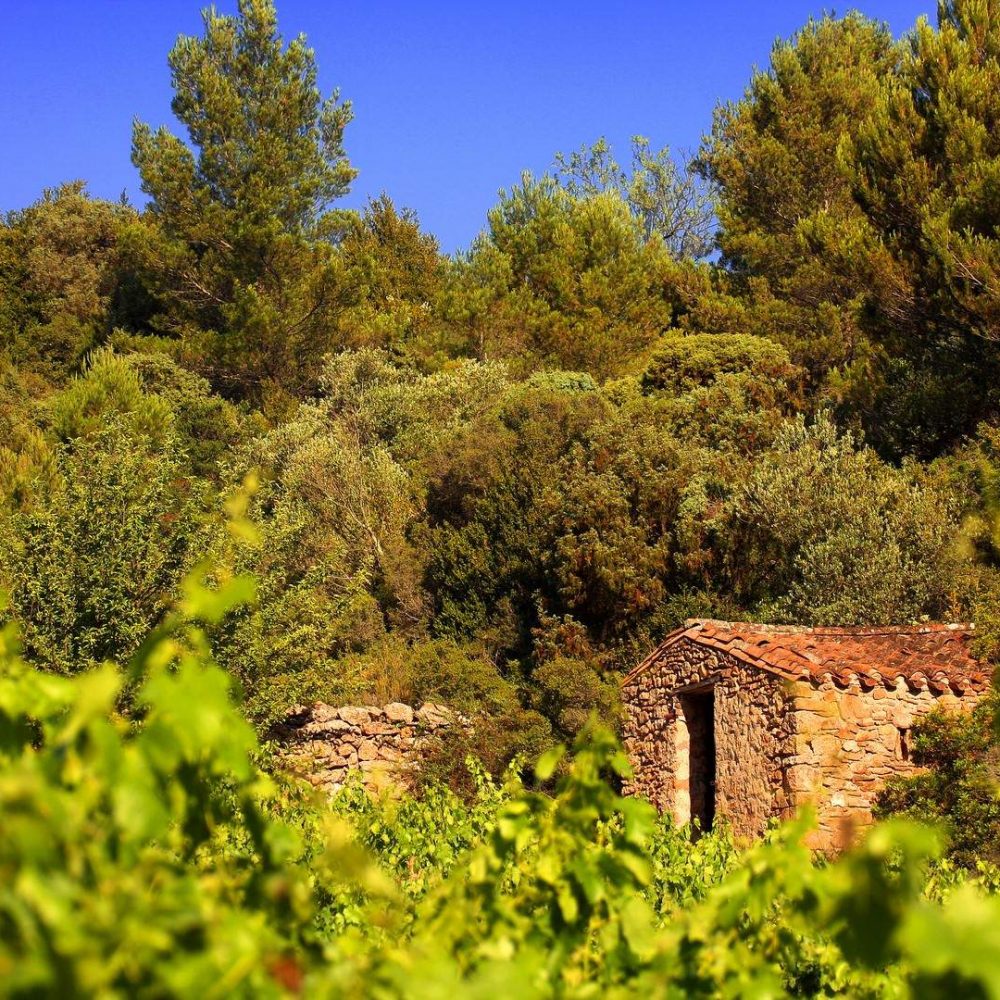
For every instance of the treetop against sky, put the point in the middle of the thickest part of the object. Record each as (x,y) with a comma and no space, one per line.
(452,101)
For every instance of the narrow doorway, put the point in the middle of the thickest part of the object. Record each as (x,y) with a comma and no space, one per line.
(699,714)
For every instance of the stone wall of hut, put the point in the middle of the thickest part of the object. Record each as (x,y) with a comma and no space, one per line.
(753,736)
(778,745)
(848,742)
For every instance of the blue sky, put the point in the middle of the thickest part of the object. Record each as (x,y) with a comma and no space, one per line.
(452,100)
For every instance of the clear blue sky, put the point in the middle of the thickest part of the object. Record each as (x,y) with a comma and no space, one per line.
(452,100)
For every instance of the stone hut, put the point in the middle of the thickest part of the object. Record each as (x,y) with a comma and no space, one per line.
(749,722)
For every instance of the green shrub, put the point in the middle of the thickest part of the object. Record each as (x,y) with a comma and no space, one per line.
(438,670)
(152,857)
(136,859)
(110,390)
(96,559)
(573,691)
(696,361)
(958,787)
(823,532)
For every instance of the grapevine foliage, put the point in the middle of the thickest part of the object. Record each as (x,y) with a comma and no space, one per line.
(148,853)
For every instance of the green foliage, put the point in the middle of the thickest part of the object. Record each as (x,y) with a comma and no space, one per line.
(561,281)
(395,274)
(684,364)
(330,554)
(572,692)
(206,425)
(26,458)
(663,193)
(959,783)
(491,481)
(462,677)
(93,562)
(584,892)
(102,514)
(422,840)
(65,279)
(852,540)
(923,165)
(854,182)
(110,390)
(241,265)
(136,859)
(925,162)
(153,856)
(772,157)
(617,507)
(437,670)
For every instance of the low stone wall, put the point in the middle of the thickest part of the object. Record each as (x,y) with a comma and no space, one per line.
(387,745)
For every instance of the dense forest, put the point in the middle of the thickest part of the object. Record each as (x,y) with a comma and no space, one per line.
(257,450)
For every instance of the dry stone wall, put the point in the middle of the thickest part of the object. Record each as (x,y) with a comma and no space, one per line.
(325,744)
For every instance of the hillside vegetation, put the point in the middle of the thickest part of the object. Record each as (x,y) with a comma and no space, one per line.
(257,449)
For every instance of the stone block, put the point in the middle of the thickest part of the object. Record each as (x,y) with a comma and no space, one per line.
(826,745)
(811,722)
(433,715)
(319,727)
(378,728)
(354,714)
(398,712)
(320,712)
(901,717)
(801,779)
(889,737)
(855,707)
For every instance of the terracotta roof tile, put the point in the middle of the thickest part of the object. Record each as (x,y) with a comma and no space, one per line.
(935,656)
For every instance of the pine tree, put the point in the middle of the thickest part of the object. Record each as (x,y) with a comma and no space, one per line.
(245,205)
(396,271)
(663,191)
(64,282)
(562,281)
(782,194)
(926,172)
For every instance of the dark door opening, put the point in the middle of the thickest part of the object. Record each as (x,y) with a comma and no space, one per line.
(699,713)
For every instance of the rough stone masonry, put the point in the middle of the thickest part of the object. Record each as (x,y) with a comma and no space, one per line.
(387,745)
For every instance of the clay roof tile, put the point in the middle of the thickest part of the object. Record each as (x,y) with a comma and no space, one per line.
(878,654)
